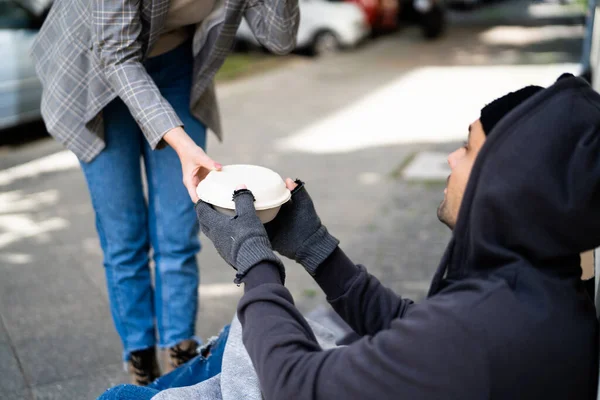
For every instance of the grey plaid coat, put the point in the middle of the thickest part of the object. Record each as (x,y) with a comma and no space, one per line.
(88,52)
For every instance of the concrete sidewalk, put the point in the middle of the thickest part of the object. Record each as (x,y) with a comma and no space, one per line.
(348,126)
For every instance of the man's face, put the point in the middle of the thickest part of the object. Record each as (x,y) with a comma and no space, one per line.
(460,161)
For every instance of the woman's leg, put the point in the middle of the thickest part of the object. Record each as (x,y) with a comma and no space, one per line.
(204,366)
(173,223)
(115,185)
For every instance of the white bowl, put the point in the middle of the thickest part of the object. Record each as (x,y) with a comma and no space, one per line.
(268,188)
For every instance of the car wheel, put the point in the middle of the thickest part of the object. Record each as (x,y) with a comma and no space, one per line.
(325,43)
(433,22)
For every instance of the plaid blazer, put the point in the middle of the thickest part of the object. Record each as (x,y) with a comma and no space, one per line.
(88,52)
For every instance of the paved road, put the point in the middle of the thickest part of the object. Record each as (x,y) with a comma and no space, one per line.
(348,126)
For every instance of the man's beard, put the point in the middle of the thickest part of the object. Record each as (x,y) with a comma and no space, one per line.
(443,214)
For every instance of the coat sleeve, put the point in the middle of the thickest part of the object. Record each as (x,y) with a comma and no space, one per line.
(274,23)
(357,296)
(116,27)
(426,355)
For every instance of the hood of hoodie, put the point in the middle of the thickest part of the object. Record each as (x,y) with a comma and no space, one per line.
(533,196)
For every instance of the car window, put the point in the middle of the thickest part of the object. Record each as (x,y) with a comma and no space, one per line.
(12,16)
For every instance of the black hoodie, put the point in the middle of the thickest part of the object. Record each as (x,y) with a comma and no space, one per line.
(507,316)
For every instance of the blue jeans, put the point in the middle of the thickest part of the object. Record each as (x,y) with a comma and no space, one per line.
(194,371)
(129,227)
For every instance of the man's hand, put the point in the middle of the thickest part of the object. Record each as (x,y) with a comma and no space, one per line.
(297,231)
(195,164)
(241,240)
(290,184)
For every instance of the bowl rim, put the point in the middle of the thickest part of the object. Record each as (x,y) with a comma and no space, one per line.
(230,204)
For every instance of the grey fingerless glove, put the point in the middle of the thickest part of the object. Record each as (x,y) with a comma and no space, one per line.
(241,240)
(297,232)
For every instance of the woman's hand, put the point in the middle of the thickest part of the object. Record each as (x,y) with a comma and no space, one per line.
(195,164)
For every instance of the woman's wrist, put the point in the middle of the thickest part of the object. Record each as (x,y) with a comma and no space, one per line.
(195,164)
(179,140)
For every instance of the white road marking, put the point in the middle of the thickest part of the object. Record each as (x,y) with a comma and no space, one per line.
(21,226)
(61,161)
(369,178)
(16,201)
(17,219)
(16,258)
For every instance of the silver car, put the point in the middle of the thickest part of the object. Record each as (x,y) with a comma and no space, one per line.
(20,89)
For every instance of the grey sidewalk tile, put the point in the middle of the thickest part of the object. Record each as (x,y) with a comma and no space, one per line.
(33,302)
(46,274)
(214,314)
(3,334)
(69,351)
(75,318)
(82,387)
(11,377)
(20,395)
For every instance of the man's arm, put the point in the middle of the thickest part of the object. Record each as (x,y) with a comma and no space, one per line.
(419,357)
(274,23)
(116,28)
(357,296)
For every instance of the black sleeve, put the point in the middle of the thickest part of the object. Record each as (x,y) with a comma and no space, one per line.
(420,356)
(357,296)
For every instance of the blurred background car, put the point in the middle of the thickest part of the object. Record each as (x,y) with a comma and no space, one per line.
(20,89)
(386,16)
(381,14)
(430,15)
(325,27)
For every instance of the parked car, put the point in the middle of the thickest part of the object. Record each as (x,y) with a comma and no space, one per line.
(387,15)
(20,89)
(325,27)
(381,14)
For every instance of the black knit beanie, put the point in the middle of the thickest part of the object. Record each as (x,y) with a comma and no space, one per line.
(492,113)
